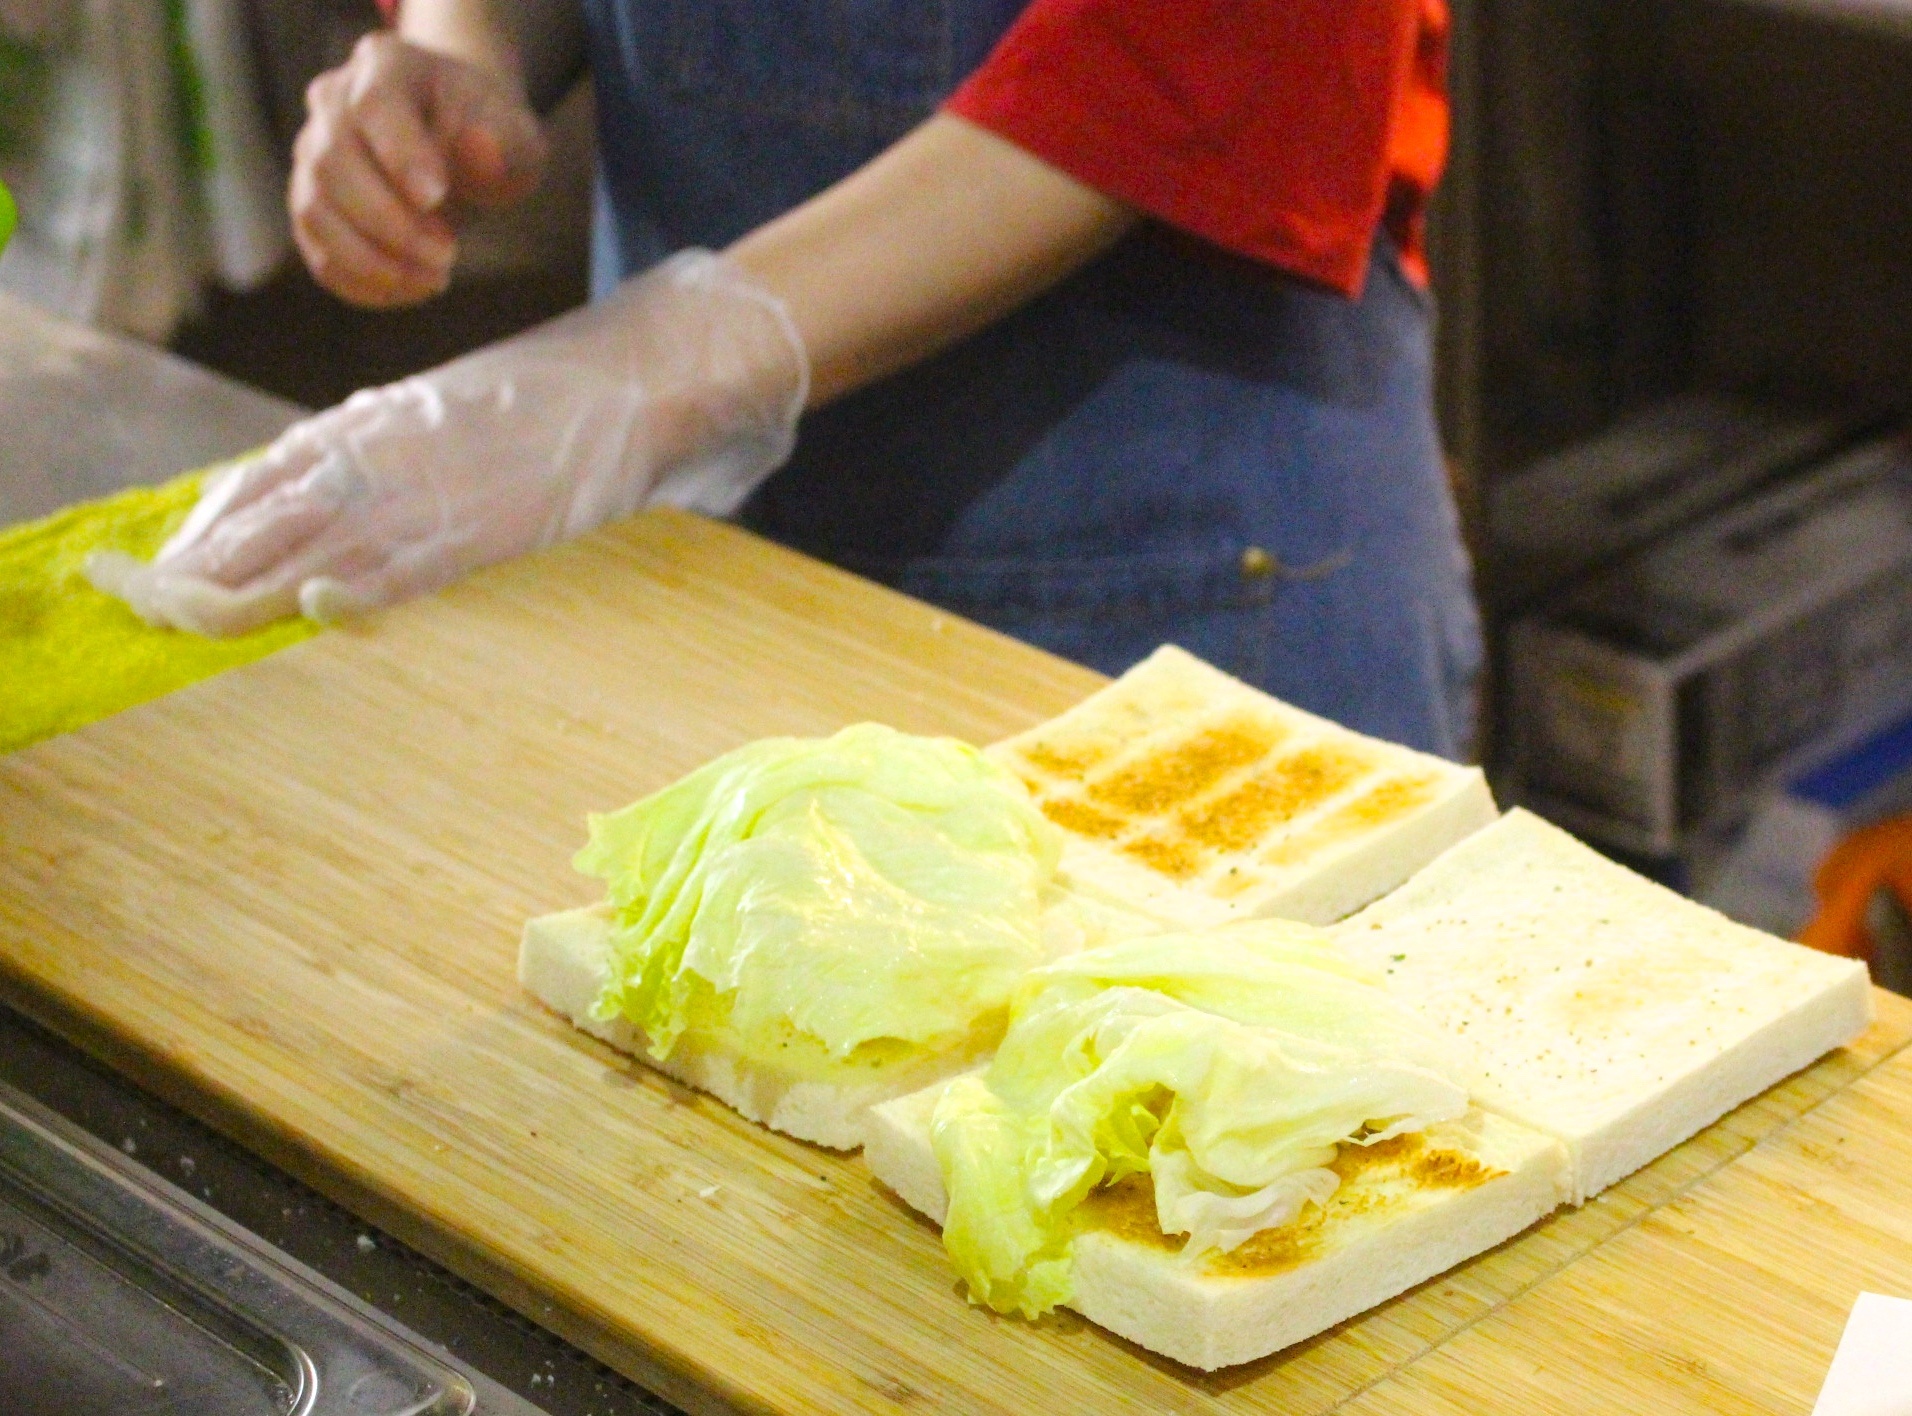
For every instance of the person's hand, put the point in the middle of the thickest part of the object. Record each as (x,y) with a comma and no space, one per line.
(683,386)
(401,142)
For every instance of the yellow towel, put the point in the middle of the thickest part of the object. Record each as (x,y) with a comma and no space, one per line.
(70,655)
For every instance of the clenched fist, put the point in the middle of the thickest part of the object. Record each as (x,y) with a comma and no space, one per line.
(401,142)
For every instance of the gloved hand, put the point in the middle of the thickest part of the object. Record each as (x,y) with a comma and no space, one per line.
(684,386)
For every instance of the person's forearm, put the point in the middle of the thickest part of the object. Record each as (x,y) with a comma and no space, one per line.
(947,231)
(538,44)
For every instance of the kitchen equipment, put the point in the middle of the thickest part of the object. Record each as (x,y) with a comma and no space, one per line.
(1653,699)
(120,1293)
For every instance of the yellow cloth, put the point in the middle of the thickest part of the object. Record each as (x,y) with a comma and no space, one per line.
(70,655)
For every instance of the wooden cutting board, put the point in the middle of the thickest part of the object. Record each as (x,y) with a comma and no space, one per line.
(289,899)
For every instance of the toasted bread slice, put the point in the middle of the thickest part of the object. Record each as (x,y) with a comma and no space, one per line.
(1406,1210)
(1187,793)
(1608,1011)
(565,959)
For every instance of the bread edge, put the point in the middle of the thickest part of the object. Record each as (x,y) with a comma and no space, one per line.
(1760,1060)
(1205,1321)
(564,961)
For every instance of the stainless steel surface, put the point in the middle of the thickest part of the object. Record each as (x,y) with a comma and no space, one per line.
(125,1289)
(83,413)
(493,1347)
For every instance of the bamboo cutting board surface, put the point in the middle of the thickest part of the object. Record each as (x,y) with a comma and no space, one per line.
(289,899)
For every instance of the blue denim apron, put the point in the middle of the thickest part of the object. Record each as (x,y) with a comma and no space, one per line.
(1173,445)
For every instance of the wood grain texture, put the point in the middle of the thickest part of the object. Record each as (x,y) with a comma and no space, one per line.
(289,899)
(1729,1299)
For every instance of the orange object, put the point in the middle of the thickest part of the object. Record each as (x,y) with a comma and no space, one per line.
(1872,858)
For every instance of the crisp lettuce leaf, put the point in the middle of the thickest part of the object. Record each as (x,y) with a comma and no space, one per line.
(1013,1257)
(1227,1065)
(868,888)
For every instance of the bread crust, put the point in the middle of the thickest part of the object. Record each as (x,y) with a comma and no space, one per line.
(564,960)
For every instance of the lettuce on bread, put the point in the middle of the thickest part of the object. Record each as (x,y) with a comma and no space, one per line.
(805,926)
(1214,1146)
(1227,1067)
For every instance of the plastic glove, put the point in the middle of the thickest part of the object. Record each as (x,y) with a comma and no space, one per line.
(684,386)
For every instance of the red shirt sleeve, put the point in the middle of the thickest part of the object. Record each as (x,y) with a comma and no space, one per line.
(1282,131)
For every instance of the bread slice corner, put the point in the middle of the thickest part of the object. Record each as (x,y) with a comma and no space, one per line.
(1607,1010)
(1192,795)
(564,960)
(1407,1209)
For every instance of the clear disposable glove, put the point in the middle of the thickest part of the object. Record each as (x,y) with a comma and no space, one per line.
(683,387)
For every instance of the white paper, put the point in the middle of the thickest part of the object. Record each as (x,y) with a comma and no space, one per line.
(1872,1370)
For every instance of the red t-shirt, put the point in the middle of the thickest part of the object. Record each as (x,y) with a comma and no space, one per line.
(1284,130)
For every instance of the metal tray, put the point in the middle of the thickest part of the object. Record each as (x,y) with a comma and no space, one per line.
(120,1293)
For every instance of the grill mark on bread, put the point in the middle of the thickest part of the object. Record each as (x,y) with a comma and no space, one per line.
(1178,860)
(1081,818)
(1175,775)
(1380,804)
(1071,761)
(1286,789)
(1393,798)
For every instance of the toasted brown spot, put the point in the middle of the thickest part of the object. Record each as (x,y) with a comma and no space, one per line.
(1175,775)
(1291,786)
(1178,860)
(1411,1158)
(1081,818)
(1375,807)
(1126,1209)
(1451,1170)
(1395,797)
(1071,761)
(1394,1153)
(1273,1250)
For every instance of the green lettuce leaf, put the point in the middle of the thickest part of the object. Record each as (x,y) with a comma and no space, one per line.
(1227,1065)
(871,888)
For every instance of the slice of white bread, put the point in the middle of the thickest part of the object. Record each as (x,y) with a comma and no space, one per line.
(1406,1210)
(1284,813)
(1607,1010)
(564,960)
(1187,793)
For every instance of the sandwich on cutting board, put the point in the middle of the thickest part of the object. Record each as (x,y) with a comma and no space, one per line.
(1607,1020)
(1176,796)
(833,936)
